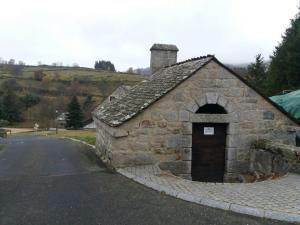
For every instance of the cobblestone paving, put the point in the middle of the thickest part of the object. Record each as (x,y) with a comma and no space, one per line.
(275,199)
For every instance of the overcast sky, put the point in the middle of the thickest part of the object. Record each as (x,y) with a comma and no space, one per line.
(123,31)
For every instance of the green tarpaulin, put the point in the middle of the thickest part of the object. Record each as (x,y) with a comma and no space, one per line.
(289,102)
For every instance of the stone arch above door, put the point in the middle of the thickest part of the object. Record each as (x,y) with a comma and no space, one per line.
(211,98)
(192,107)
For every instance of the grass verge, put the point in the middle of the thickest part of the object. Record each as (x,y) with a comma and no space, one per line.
(86,135)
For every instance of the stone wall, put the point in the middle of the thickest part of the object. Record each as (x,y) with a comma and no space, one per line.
(116,150)
(163,132)
(269,158)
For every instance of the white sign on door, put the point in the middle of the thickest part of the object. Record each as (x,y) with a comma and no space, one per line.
(209,130)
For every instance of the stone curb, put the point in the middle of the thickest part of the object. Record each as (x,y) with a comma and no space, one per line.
(82,142)
(268,214)
(76,140)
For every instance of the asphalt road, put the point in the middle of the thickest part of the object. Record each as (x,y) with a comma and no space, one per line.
(54,181)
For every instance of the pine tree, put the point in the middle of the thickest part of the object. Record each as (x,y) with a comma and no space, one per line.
(284,71)
(257,72)
(74,115)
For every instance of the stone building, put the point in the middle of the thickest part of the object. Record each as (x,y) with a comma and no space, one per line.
(195,118)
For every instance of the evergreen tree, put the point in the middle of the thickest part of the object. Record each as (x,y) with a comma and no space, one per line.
(284,71)
(30,100)
(11,107)
(74,115)
(257,72)
(104,65)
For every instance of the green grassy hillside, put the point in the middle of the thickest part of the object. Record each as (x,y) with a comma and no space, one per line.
(56,85)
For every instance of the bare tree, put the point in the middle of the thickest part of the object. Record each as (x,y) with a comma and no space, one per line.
(130,70)
(11,62)
(21,63)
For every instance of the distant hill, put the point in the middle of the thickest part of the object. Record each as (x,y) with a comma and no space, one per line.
(239,65)
(143,71)
(240,69)
(55,86)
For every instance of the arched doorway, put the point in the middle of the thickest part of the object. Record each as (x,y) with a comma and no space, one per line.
(208,147)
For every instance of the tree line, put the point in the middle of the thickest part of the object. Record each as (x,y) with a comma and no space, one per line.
(105,65)
(12,67)
(282,74)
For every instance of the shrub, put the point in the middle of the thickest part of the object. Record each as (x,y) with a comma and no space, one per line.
(39,75)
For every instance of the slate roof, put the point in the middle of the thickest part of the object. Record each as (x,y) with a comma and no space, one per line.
(148,91)
(164,80)
(125,87)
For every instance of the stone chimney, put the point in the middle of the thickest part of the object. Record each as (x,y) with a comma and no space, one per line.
(162,55)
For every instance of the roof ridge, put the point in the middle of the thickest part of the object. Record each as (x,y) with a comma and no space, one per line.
(190,60)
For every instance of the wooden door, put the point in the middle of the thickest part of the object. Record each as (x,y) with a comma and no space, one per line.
(208,152)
